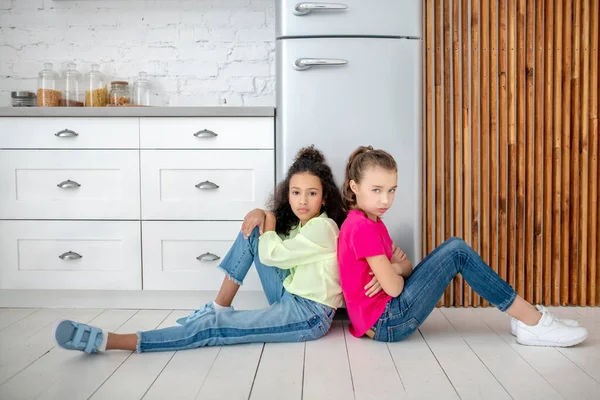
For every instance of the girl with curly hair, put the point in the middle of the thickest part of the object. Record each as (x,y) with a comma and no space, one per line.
(294,248)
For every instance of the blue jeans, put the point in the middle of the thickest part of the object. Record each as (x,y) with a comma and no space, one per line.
(429,279)
(289,318)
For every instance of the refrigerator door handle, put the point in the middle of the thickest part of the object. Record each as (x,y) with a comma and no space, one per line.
(306,8)
(306,63)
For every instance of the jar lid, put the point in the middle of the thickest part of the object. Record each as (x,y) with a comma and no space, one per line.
(119,83)
(24,94)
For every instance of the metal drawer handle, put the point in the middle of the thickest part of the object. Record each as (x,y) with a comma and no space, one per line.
(306,8)
(207,185)
(205,134)
(66,133)
(68,184)
(306,63)
(207,257)
(70,255)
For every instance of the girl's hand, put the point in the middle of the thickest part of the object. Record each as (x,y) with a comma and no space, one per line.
(398,255)
(373,287)
(253,219)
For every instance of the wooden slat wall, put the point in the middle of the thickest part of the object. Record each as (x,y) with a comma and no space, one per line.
(511,143)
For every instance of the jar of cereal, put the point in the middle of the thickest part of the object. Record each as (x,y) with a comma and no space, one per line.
(119,93)
(96,93)
(49,87)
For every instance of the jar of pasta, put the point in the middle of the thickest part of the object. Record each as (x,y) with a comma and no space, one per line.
(96,92)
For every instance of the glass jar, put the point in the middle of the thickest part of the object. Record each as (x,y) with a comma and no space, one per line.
(49,90)
(142,90)
(119,93)
(96,93)
(72,95)
(23,99)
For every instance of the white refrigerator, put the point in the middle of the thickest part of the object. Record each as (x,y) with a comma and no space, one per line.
(349,74)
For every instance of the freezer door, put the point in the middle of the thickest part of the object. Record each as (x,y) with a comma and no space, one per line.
(349,18)
(340,93)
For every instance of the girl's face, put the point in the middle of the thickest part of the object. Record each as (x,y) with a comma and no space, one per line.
(306,196)
(376,191)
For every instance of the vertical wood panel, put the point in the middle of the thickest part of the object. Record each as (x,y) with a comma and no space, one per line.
(456,86)
(520,150)
(447,130)
(594,88)
(511,143)
(530,169)
(579,170)
(473,297)
(548,148)
(485,136)
(565,211)
(556,153)
(537,185)
(493,135)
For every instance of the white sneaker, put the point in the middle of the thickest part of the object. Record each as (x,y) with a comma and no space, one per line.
(514,321)
(550,332)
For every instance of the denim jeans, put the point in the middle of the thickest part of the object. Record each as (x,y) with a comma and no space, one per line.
(289,318)
(429,279)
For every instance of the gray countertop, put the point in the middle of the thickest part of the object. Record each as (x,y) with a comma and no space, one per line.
(225,111)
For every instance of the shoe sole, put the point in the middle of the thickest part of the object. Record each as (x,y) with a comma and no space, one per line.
(551,344)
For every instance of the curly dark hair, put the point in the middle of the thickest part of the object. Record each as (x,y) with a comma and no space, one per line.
(310,160)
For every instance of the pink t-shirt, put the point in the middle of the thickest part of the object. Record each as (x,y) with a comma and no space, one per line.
(361,237)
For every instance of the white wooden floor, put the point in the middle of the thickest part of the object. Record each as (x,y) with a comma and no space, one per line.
(458,353)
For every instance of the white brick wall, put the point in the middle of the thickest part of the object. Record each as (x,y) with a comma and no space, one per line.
(198,52)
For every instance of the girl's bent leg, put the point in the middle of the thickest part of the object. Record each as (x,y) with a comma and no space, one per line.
(431,277)
(238,262)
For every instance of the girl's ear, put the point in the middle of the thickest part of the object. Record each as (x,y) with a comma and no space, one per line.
(353,187)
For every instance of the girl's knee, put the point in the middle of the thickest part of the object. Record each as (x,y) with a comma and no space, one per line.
(456,243)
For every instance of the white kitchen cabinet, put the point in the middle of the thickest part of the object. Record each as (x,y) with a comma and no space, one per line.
(98,203)
(185,255)
(69,133)
(207,133)
(205,184)
(69,184)
(70,255)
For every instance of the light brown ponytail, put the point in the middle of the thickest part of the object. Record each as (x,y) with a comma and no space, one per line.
(362,158)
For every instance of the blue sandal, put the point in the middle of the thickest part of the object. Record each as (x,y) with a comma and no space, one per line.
(73,335)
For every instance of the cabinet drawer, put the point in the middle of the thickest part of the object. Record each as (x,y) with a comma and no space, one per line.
(69,133)
(69,184)
(70,255)
(205,184)
(186,255)
(207,133)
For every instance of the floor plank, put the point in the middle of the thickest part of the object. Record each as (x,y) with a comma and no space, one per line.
(18,333)
(9,316)
(19,354)
(564,376)
(186,371)
(469,376)
(326,367)
(142,369)
(373,371)
(420,371)
(57,365)
(89,372)
(280,371)
(518,377)
(587,355)
(232,373)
